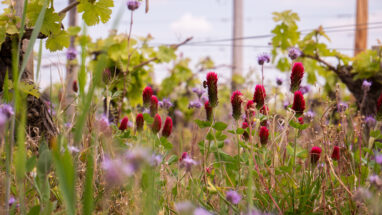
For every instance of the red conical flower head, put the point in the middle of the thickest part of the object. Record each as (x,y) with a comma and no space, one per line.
(264,110)
(251,108)
(167,128)
(123,124)
(236,104)
(153,106)
(336,153)
(157,124)
(212,84)
(208,109)
(315,154)
(264,134)
(139,121)
(259,96)
(146,95)
(75,86)
(296,76)
(298,103)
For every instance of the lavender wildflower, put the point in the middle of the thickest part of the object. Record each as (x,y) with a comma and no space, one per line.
(378,158)
(7,110)
(263,58)
(155,160)
(201,211)
(366,85)
(195,104)
(198,92)
(370,121)
(187,162)
(342,106)
(233,197)
(310,115)
(73,149)
(305,89)
(133,5)
(71,53)
(11,201)
(184,207)
(294,53)
(165,103)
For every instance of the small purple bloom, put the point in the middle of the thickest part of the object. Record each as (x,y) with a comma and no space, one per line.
(233,197)
(342,106)
(73,149)
(165,103)
(133,5)
(294,53)
(263,58)
(286,104)
(310,115)
(279,81)
(201,211)
(187,163)
(3,120)
(156,160)
(370,121)
(195,104)
(305,89)
(104,122)
(198,91)
(11,201)
(68,125)
(71,53)
(227,141)
(366,85)
(374,179)
(184,207)
(7,110)
(378,158)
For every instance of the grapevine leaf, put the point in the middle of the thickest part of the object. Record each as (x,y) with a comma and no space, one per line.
(58,41)
(96,11)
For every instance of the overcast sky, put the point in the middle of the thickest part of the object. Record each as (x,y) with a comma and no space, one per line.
(171,21)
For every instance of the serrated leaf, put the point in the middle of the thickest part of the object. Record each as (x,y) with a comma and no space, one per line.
(58,41)
(96,11)
(74,30)
(203,124)
(166,54)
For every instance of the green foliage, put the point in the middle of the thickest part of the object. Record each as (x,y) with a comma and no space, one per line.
(367,64)
(95,11)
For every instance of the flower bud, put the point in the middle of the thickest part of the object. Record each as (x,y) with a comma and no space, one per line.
(315,154)
(236,104)
(167,128)
(264,134)
(75,86)
(157,124)
(259,96)
(153,106)
(251,108)
(301,120)
(379,108)
(133,5)
(298,103)
(336,153)
(212,84)
(208,109)
(139,121)
(296,76)
(147,93)
(123,124)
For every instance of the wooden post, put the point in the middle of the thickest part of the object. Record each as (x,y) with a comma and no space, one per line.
(237,43)
(360,39)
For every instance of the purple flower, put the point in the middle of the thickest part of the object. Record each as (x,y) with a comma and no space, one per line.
(137,156)
(201,211)
(133,5)
(310,115)
(68,125)
(165,103)
(103,122)
(3,120)
(73,149)
(116,170)
(233,197)
(199,92)
(156,160)
(263,58)
(305,89)
(294,53)
(370,121)
(286,104)
(11,201)
(279,81)
(7,110)
(366,85)
(195,104)
(374,179)
(342,106)
(71,53)
(187,163)
(184,207)
(378,158)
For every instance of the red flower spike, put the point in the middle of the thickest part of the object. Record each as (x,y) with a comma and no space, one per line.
(139,121)
(208,109)
(379,108)
(301,120)
(336,153)
(296,76)
(146,95)
(167,128)
(184,155)
(298,103)
(315,154)
(264,110)
(75,86)
(157,124)
(259,96)
(236,104)
(251,108)
(123,124)
(264,134)
(212,84)
(153,106)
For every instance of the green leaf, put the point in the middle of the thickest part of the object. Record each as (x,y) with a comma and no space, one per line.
(31,162)
(220,126)
(87,196)
(203,124)
(58,41)
(240,131)
(95,11)
(210,136)
(297,125)
(74,30)
(148,119)
(165,143)
(172,159)
(166,54)
(35,210)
